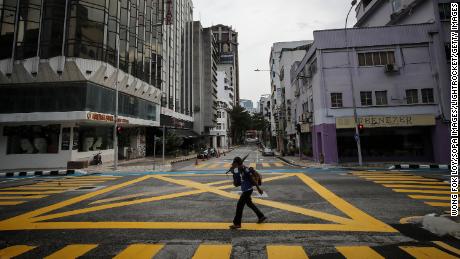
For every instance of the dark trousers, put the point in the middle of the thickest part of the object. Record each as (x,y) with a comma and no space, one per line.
(245,199)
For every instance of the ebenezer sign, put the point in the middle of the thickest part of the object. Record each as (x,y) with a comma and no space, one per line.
(386,121)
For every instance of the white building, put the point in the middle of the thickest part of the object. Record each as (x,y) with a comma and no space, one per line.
(225,100)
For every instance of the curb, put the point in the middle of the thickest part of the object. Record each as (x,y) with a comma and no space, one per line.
(42,173)
(418,166)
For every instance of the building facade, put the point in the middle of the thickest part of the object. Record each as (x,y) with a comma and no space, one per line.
(225,97)
(227,45)
(205,58)
(398,97)
(58,75)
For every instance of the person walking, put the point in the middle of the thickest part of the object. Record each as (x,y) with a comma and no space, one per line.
(247,183)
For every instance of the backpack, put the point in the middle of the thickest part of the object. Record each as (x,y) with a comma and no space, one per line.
(236,179)
(255,176)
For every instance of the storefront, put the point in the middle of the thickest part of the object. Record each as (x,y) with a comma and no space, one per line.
(388,138)
(305,140)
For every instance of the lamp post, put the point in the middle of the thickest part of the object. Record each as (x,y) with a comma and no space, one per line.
(355,114)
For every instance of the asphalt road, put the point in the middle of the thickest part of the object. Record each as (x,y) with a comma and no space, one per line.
(319,213)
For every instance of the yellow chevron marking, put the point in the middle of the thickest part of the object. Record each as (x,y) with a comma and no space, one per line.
(71,251)
(213,252)
(14,251)
(140,251)
(426,252)
(285,252)
(358,252)
(438,204)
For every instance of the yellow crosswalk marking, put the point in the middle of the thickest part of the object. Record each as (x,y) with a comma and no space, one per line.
(438,204)
(265,164)
(62,184)
(447,247)
(398,176)
(8,203)
(253,165)
(214,165)
(285,252)
(409,182)
(358,252)
(427,197)
(213,252)
(401,179)
(13,251)
(278,164)
(34,188)
(227,165)
(420,191)
(71,251)
(426,252)
(140,251)
(201,165)
(416,186)
(23,197)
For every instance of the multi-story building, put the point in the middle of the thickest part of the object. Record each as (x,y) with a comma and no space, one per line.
(264,109)
(278,91)
(247,104)
(227,45)
(58,79)
(225,97)
(205,58)
(176,72)
(390,76)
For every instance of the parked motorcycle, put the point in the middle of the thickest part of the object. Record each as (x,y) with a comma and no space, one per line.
(97,159)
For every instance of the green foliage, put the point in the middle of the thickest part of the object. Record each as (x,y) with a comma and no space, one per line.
(241,121)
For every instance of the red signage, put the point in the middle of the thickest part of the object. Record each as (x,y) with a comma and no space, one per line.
(104,117)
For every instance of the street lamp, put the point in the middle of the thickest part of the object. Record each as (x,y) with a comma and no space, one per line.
(355,114)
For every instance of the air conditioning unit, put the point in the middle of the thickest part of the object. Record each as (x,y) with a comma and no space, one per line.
(390,68)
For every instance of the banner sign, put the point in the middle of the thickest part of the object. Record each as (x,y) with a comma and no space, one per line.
(386,121)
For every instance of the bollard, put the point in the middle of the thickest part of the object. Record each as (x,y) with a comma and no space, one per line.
(196,161)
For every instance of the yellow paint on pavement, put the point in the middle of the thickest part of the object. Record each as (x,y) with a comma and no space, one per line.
(120,198)
(427,197)
(9,203)
(71,251)
(265,164)
(447,247)
(426,253)
(421,191)
(34,188)
(214,165)
(213,252)
(140,251)
(408,178)
(278,164)
(23,197)
(253,165)
(285,252)
(202,165)
(14,251)
(227,165)
(438,204)
(358,252)
(21,193)
(416,186)
(410,182)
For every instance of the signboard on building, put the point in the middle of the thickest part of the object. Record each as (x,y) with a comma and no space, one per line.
(387,121)
(94,116)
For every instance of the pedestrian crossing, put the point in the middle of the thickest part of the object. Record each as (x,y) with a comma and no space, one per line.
(428,250)
(16,195)
(219,165)
(432,192)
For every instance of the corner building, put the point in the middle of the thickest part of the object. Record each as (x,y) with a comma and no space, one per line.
(58,75)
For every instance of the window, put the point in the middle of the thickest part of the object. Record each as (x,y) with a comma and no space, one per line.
(366,98)
(381,97)
(33,139)
(412,96)
(95,138)
(427,95)
(376,58)
(444,11)
(336,100)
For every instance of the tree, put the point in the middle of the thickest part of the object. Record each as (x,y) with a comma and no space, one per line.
(240,122)
(259,123)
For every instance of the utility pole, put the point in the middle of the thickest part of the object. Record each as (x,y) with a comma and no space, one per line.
(115,119)
(164,133)
(355,113)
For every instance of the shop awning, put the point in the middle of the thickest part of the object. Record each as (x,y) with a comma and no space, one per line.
(184,133)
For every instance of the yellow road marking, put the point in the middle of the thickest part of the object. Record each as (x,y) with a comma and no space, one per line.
(285,252)
(122,198)
(426,252)
(426,197)
(213,252)
(421,191)
(408,182)
(253,165)
(265,164)
(62,184)
(416,186)
(76,182)
(35,188)
(11,202)
(384,175)
(214,165)
(71,251)
(202,165)
(20,193)
(279,164)
(13,251)
(227,165)
(390,177)
(139,251)
(358,252)
(401,179)
(438,204)
(23,197)
(447,247)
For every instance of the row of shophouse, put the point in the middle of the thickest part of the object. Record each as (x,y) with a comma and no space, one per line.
(62,64)
(392,67)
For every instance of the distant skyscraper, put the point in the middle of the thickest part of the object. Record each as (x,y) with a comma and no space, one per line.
(227,42)
(247,104)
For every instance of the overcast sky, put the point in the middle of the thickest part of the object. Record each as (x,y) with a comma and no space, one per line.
(260,23)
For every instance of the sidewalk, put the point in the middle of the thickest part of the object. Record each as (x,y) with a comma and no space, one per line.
(296,161)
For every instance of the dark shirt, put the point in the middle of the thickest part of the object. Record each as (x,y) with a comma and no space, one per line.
(246,180)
